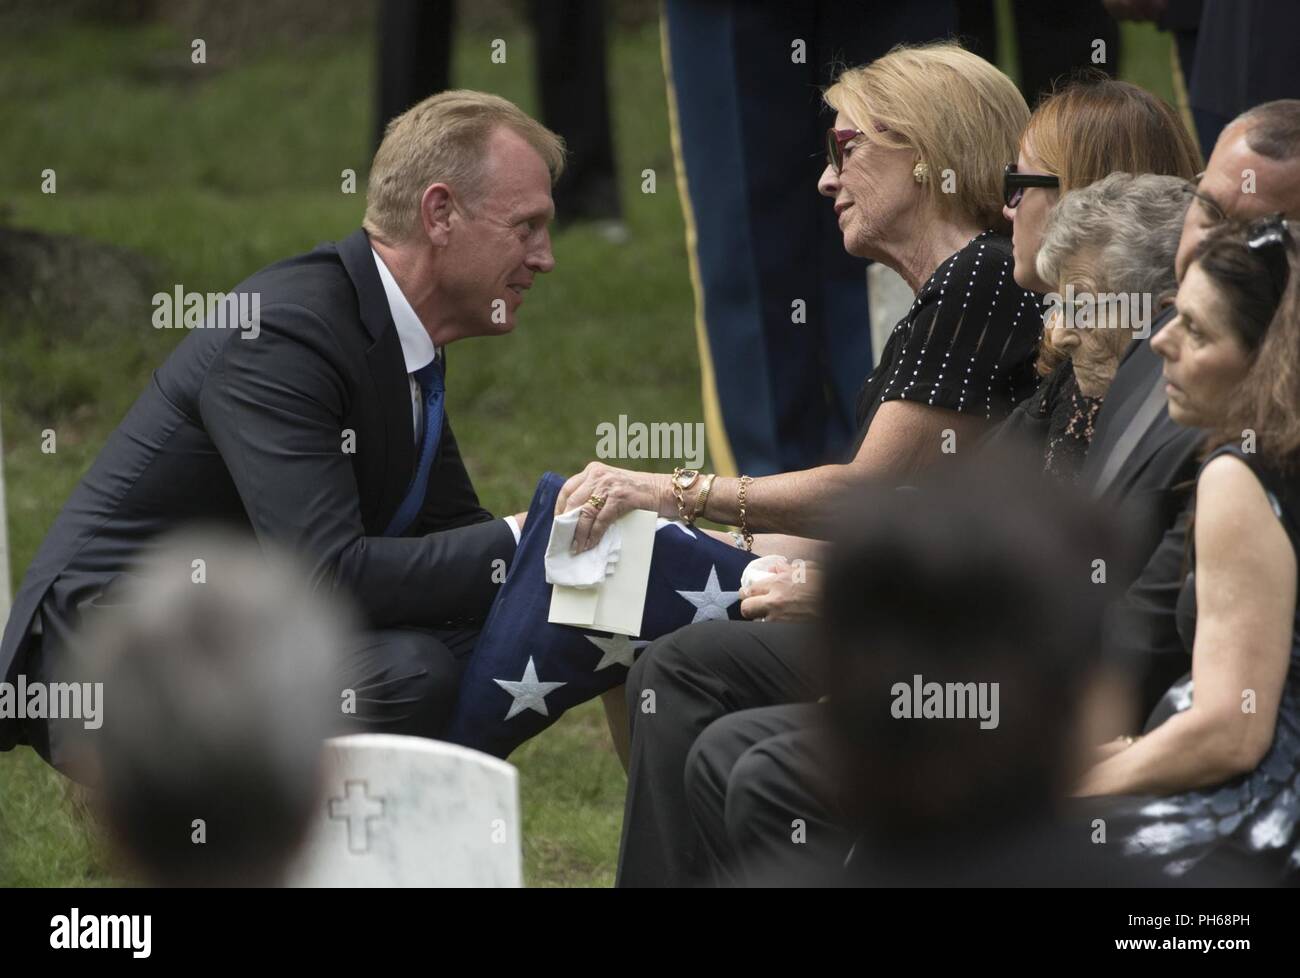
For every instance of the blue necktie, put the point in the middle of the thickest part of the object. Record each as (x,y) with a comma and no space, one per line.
(432,389)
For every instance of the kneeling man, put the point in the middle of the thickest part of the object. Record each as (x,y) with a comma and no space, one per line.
(319,424)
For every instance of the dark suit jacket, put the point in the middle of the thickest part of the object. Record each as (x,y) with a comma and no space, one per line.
(1153,484)
(251,431)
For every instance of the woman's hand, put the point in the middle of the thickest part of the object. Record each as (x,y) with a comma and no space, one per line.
(622,491)
(793,594)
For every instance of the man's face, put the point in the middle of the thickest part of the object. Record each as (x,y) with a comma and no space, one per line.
(500,242)
(1240,185)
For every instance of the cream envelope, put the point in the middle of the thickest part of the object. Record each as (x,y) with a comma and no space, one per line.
(617,603)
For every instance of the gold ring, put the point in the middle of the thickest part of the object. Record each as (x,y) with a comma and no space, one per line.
(596,502)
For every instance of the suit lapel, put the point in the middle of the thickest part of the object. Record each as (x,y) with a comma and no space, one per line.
(388,377)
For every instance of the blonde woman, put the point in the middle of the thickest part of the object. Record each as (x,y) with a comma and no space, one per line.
(916,183)
(914,177)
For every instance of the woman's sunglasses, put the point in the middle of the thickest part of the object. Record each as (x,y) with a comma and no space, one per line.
(1014,184)
(836,140)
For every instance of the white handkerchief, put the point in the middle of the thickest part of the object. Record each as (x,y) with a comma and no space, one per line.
(586,569)
(762,569)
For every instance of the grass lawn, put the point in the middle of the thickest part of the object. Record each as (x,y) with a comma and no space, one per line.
(210,173)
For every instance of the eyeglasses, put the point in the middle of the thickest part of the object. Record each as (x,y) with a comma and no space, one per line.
(836,140)
(1014,184)
(1270,239)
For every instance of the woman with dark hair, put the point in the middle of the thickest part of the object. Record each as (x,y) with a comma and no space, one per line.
(1215,781)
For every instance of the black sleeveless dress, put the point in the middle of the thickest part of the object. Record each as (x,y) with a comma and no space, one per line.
(1253,820)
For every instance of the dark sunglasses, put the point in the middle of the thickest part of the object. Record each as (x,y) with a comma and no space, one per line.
(1270,239)
(1014,184)
(836,140)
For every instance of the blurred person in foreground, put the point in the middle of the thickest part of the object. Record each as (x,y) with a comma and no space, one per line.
(218,663)
(982,588)
(1139,461)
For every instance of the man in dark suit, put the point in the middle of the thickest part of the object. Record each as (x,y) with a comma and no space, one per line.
(318,423)
(729,761)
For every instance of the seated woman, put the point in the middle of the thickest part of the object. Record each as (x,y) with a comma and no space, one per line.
(1085,131)
(1113,238)
(915,173)
(916,114)
(1214,782)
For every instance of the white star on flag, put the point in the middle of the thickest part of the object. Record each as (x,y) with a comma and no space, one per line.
(712,603)
(529,694)
(615,650)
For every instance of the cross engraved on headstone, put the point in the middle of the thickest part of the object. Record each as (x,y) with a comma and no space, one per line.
(359,809)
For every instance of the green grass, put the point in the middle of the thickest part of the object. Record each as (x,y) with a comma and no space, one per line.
(210,174)
(212,179)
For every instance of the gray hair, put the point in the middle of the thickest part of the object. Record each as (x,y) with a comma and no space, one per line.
(217,670)
(1125,227)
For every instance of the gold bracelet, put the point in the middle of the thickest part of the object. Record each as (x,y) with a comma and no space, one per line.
(678,489)
(744,530)
(704,496)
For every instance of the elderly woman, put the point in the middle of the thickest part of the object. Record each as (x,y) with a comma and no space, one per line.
(1108,254)
(1213,782)
(915,179)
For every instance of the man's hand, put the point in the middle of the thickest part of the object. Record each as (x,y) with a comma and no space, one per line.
(622,492)
(790,595)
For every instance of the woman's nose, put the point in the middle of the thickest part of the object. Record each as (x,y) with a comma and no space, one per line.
(1163,345)
(829,183)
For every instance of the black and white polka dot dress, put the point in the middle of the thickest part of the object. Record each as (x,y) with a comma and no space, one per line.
(967,343)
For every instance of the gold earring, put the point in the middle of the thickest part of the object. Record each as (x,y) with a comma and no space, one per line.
(921,172)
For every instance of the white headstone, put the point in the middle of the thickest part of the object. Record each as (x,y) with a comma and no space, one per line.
(889,298)
(406,811)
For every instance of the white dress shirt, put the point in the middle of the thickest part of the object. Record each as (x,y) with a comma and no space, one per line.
(417,350)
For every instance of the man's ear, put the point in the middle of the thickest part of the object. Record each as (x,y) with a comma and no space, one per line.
(435,213)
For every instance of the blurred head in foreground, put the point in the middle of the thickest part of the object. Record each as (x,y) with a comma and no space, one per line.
(216,670)
(963,638)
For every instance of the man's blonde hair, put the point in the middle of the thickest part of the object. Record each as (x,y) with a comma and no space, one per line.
(956,111)
(444,140)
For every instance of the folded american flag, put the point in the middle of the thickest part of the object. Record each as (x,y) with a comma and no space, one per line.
(525,671)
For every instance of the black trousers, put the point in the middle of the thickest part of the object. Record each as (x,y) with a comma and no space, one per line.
(759,794)
(405,680)
(680,685)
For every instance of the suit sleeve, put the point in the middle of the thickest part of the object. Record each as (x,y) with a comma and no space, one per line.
(273,406)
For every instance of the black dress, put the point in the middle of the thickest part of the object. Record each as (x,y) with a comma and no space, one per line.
(1252,820)
(1054,426)
(967,343)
